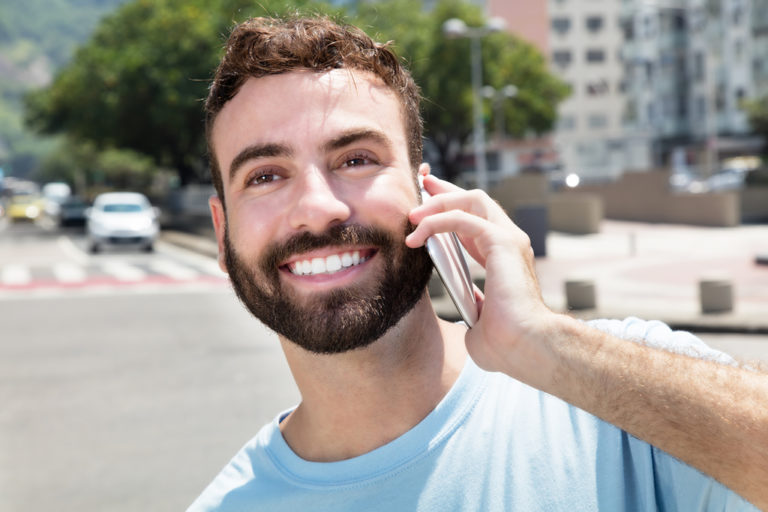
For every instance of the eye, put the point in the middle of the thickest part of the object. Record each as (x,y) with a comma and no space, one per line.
(358,159)
(264,177)
(353,162)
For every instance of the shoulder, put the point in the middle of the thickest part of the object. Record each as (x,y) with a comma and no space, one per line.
(246,475)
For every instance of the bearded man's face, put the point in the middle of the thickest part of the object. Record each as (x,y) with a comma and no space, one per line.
(341,319)
(318,185)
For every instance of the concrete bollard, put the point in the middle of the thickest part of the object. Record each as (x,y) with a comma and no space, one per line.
(716,295)
(580,294)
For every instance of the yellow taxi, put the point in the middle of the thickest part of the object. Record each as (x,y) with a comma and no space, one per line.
(24,207)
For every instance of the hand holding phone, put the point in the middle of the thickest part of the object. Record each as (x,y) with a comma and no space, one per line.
(447,254)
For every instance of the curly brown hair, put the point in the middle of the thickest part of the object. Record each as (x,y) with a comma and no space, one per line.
(269,46)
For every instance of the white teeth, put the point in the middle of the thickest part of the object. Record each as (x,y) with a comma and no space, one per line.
(318,266)
(329,265)
(333,263)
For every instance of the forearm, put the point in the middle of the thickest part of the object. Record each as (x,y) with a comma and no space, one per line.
(712,416)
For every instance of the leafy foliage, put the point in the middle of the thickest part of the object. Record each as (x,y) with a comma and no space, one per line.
(757,112)
(140,80)
(91,171)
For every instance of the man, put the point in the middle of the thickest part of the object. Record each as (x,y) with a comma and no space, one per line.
(315,143)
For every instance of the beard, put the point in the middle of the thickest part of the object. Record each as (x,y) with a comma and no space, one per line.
(343,319)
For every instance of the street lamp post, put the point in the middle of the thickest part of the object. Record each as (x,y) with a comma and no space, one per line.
(498,97)
(455,28)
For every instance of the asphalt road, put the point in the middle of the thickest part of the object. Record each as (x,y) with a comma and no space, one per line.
(131,401)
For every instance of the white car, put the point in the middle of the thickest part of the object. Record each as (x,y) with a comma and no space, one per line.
(122,218)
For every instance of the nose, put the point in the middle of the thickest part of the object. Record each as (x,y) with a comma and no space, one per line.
(318,203)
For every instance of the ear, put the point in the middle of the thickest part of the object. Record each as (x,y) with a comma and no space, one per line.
(219,217)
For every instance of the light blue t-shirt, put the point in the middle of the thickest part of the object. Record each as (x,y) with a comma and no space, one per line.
(491,444)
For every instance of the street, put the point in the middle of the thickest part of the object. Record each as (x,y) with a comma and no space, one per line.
(129,389)
(124,395)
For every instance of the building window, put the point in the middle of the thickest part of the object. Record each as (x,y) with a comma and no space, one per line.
(678,22)
(595,55)
(650,113)
(597,121)
(565,123)
(737,15)
(701,107)
(648,66)
(561,57)
(698,66)
(628,28)
(594,23)
(561,25)
(597,87)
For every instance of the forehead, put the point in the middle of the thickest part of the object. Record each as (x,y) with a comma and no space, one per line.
(305,107)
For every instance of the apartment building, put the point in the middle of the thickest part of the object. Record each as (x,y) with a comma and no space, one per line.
(760,47)
(653,77)
(585,39)
(689,64)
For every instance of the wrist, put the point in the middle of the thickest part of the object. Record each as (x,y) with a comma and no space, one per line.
(541,358)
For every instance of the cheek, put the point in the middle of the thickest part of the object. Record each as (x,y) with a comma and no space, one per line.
(250,231)
(390,203)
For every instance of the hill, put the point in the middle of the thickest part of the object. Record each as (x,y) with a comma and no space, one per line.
(37,37)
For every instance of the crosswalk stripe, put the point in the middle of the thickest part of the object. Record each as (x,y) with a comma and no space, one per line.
(123,271)
(69,272)
(15,275)
(173,270)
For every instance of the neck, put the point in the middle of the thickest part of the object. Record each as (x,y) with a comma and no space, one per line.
(354,402)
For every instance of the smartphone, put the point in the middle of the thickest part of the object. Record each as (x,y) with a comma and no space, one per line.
(447,254)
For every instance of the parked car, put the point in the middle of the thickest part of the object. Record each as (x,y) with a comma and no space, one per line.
(122,218)
(72,211)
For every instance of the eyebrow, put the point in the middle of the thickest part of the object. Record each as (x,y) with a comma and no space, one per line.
(257,151)
(355,135)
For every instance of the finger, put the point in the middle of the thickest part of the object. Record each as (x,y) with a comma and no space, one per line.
(462,223)
(479,298)
(475,202)
(435,185)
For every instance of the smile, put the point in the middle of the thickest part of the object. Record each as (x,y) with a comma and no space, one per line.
(329,264)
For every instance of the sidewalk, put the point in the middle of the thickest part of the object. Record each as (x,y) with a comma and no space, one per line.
(650,271)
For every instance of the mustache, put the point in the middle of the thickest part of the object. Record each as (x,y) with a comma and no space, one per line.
(338,235)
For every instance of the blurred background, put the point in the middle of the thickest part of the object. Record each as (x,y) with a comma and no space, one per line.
(627,137)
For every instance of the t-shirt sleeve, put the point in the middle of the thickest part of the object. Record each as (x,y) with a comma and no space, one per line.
(681,487)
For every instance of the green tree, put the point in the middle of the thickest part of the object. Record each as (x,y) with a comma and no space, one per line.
(139,82)
(757,112)
(90,170)
(442,69)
